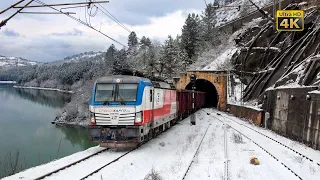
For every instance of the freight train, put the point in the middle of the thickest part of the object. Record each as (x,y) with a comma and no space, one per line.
(126,111)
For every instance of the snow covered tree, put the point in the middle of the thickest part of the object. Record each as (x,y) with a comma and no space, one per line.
(190,37)
(208,17)
(172,58)
(132,40)
(144,42)
(111,58)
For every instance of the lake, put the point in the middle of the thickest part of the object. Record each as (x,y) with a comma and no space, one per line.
(25,127)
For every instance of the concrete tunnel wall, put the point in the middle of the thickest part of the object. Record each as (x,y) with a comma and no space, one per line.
(217,78)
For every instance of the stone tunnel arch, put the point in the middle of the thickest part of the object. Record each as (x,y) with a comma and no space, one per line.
(204,85)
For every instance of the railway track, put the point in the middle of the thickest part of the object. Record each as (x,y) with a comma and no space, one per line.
(274,148)
(70,164)
(280,143)
(90,158)
(272,155)
(192,160)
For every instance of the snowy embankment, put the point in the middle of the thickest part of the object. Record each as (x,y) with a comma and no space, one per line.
(170,154)
(284,150)
(41,88)
(8,82)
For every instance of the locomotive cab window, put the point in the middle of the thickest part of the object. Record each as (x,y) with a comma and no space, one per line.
(104,92)
(150,95)
(127,92)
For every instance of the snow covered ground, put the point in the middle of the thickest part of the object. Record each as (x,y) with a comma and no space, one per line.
(170,154)
(6,61)
(48,89)
(227,14)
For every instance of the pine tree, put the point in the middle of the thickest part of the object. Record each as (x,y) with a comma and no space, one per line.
(144,42)
(190,37)
(111,59)
(208,17)
(132,40)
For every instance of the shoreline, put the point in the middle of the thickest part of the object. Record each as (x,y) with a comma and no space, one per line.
(40,88)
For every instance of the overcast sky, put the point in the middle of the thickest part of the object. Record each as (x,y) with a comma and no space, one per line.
(53,37)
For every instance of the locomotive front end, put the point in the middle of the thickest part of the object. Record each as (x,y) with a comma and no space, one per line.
(116,112)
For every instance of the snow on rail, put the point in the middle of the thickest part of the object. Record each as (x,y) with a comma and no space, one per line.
(292,158)
(170,154)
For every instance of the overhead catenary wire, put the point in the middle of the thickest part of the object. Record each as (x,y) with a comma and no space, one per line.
(4,22)
(80,21)
(107,13)
(12,6)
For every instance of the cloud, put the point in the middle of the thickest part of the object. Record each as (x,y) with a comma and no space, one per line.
(10,33)
(74,32)
(53,37)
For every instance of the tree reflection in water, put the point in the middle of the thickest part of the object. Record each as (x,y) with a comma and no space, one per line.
(78,136)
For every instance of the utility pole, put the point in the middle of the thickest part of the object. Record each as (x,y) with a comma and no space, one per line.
(193,79)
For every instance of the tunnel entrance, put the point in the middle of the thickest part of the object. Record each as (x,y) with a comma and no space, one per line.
(210,90)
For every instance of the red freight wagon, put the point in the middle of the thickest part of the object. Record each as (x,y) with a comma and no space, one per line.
(184,99)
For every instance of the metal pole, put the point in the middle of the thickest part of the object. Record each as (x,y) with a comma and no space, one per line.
(280,4)
(226,174)
(193,81)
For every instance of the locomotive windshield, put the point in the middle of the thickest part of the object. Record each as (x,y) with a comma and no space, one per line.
(116,92)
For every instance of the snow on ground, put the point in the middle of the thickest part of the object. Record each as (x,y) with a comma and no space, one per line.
(8,82)
(301,166)
(40,170)
(222,62)
(209,162)
(3,63)
(219,58)
(226,14)
(48,89)
(170,154)
(241,150)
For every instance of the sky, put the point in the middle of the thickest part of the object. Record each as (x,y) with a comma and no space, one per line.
(47,38)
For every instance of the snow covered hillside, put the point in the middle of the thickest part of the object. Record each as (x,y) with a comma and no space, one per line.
(227,14)
(9,61)
(85,56)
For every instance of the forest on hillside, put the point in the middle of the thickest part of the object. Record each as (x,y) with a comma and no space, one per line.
(198,41)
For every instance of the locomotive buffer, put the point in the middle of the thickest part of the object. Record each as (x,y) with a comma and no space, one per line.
(193,79)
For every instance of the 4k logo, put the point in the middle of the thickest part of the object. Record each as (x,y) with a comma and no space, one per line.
(290,20)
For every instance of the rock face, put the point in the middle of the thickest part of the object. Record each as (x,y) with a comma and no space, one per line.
(271,58)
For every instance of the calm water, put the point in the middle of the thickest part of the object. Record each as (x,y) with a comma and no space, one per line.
(25,126)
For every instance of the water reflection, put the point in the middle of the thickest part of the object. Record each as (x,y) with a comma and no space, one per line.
(43,97)
(25,125)
(76,136)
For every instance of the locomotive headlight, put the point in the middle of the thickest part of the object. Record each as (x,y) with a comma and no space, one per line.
(138,117)
(92,119)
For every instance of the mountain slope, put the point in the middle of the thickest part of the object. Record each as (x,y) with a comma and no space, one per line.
(9,61)
(85,56)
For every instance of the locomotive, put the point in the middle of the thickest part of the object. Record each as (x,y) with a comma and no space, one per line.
(126,111)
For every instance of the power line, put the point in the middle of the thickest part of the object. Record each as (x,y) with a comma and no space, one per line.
(11,6)
(64,4)
(114,18)
(4,22)
(80,21)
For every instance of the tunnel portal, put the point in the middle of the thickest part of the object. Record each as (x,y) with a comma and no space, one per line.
(206,86)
